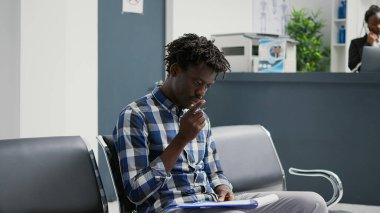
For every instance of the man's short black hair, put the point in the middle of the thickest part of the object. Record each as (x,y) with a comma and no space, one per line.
(191,49)
(372,10)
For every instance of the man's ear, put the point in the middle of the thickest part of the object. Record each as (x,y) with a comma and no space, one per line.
(174,69)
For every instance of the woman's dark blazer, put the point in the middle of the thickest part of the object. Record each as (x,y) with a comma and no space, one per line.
(356,50)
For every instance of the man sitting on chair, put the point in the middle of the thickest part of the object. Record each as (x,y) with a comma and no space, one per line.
(165,146)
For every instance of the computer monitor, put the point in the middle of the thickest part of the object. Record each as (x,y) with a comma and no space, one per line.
(370,59)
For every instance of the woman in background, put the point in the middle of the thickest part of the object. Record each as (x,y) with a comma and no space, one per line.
(371,38)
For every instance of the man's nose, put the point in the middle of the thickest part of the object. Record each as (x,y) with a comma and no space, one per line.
(201,91)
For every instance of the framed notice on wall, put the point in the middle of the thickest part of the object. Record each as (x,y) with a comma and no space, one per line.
(133,6)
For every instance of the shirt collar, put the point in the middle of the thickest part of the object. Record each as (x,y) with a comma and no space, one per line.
(160,97)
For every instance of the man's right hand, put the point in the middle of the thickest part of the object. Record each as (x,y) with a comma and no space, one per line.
(191,122)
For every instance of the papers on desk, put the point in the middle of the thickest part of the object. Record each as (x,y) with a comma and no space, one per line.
(250,204)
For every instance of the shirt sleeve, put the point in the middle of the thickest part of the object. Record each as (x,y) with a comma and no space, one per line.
(141,178)
(213,166)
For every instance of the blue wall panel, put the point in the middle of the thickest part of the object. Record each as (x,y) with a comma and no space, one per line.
(131,53)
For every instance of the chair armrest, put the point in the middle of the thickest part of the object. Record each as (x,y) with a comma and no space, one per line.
(329,175)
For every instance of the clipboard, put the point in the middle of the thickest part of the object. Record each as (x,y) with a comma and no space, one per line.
(249,203)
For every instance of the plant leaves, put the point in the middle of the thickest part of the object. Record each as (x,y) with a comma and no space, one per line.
(305,27)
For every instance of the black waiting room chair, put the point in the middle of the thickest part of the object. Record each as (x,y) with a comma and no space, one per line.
(50,174)
(111,174)
(251,163)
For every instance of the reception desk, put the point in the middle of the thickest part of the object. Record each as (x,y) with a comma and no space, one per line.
(317,120)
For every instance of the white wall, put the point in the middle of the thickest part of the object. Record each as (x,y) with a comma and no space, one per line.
(58,68)
(43,68)
(9,68)
(82,67)
(50,82)
(206,17)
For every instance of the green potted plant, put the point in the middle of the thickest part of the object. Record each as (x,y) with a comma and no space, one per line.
(305,27)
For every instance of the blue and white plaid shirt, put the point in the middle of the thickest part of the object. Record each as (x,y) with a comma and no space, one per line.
(143,131)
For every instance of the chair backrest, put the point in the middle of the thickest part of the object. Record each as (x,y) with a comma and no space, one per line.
(112,159)
(51,174)
(249,158)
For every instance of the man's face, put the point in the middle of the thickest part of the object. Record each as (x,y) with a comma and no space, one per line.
(189,86)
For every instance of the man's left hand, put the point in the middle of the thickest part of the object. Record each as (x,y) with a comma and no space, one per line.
(224,193)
